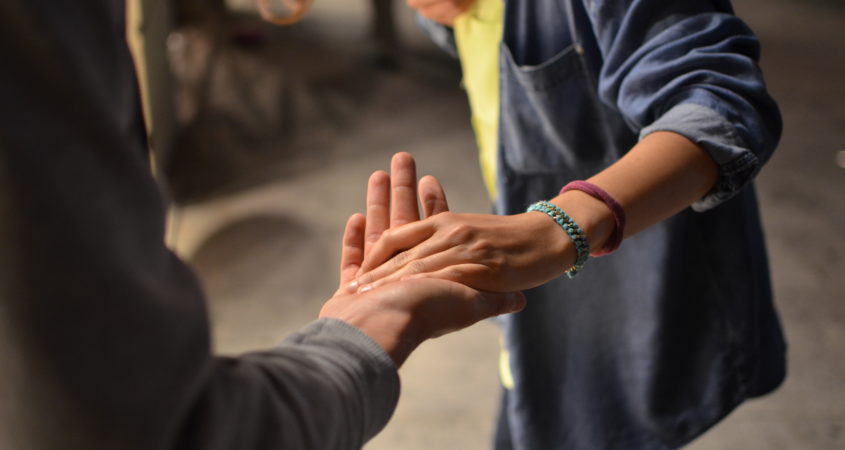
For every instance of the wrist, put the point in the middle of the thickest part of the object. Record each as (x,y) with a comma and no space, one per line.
(590,213)
(558,249)
(390,328)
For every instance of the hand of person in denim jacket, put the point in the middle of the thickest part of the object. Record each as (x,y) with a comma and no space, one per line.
(441,11)
(524,244)
(484,251)
(400,316)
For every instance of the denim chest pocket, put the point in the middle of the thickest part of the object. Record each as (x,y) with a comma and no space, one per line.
(550,120)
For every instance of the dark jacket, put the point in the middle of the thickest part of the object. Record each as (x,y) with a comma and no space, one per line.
(104,340)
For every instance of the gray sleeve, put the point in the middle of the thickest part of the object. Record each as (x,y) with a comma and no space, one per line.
(104,339)
(327,387)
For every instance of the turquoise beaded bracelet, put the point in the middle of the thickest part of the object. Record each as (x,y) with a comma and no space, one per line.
(582,248)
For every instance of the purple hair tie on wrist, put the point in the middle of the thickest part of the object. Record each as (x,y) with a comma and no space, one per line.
(615,238)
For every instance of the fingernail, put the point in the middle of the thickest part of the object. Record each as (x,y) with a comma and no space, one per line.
(365,288)
(353,285)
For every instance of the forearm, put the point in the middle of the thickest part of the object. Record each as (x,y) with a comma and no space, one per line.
(660,176)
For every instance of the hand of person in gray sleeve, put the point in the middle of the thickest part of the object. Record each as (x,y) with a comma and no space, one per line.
(400,316)
(335,382)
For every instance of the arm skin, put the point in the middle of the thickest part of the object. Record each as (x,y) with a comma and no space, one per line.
(441,11)
(660,176)
(663,174)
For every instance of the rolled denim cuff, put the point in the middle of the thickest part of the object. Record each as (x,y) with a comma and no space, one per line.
(737,163)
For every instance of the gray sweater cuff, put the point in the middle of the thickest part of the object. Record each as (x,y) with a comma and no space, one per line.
(737,163)
(377,374)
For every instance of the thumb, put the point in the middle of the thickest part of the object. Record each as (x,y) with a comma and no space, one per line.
(491,304)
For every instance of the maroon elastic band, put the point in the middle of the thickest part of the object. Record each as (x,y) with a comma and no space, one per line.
(615,238)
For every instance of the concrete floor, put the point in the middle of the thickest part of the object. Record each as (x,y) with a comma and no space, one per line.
(281,140)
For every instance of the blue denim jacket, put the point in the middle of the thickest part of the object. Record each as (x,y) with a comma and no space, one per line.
(650,346)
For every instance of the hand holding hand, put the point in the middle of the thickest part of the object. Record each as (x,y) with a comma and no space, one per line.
(400,316)
(483,251)
(391,202)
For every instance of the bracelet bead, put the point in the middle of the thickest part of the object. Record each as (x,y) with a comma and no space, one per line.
(579,238)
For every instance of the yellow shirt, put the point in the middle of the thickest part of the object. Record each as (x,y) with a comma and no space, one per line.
(478,33)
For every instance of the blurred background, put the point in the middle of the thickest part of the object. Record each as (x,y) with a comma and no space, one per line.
(265,136)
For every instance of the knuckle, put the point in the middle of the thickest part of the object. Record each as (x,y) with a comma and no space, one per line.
(416,267)
(388,234)
(460,232)
(457,274)
(484,251)
(481,249)
(365,279)
(401,258)
(496,262)
(447,216)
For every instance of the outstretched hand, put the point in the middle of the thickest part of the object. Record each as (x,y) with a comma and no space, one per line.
(483,251)
(391,202)
(400,316)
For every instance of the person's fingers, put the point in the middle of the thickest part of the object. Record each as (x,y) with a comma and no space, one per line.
(352,249)
(419,262)
(378,208)
(474,275)
(396,240)
(432,196)
(403,190)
